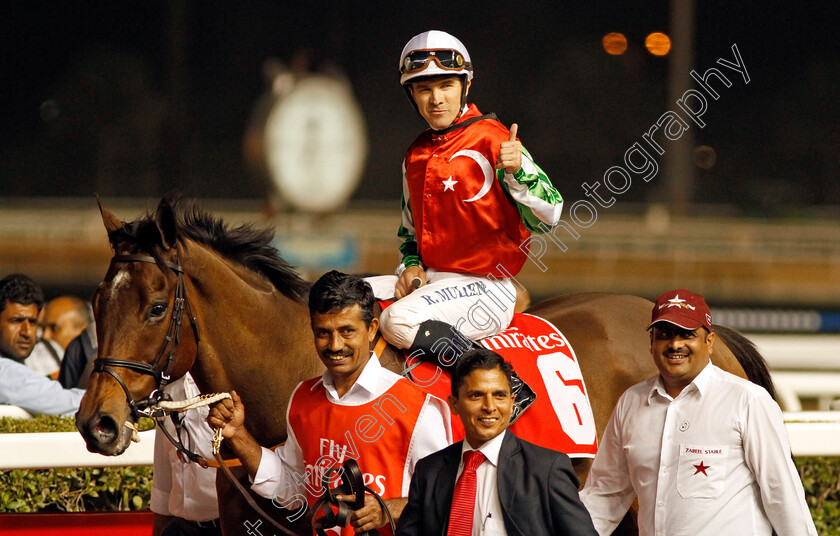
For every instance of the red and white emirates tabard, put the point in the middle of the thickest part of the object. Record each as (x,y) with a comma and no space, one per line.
(561,417)
(464,220)
(377,435)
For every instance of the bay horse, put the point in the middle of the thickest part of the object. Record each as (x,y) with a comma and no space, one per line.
(249,330)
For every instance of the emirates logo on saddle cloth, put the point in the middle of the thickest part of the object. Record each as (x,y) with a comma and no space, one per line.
(561,417)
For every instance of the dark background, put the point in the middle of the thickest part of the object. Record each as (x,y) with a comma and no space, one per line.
(137,99)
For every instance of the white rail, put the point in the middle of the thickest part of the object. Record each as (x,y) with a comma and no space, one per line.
(811,433)
(67,449)
(791,387)
(799,352)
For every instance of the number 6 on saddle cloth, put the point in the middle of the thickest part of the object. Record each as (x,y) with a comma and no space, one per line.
(352,483)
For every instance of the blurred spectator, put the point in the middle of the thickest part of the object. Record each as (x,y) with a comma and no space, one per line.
(183,493)
(45,358)
(78,359)
(65,318)
(61,320)
(20,302)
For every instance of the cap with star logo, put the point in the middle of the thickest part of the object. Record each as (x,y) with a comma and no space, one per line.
(681,308)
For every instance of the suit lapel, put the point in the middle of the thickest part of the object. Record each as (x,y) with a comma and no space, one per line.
(510,467)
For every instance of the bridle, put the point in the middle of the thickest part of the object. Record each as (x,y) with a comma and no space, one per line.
(162,377)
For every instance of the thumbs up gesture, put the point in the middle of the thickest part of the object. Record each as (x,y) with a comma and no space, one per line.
(510,153)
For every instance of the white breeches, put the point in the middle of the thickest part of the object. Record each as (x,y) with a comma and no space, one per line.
(477,306)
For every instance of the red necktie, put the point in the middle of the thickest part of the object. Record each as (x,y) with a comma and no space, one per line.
(463,500)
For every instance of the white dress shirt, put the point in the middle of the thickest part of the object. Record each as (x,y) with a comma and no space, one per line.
(41,360)
(275,477)
(22,386)
(713,461)
(183,489)
(487,519)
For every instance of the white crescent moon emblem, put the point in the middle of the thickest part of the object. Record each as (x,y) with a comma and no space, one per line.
(486,168)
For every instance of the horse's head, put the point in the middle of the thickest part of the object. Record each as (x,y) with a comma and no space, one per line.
(138,310)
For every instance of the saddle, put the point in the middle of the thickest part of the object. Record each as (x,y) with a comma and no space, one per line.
(560,417)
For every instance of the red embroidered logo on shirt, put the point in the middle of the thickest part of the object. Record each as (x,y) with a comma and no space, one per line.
(701,468)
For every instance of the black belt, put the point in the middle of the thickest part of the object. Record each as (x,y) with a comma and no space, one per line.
(211,524)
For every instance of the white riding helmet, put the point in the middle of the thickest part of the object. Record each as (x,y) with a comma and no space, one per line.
(434,53)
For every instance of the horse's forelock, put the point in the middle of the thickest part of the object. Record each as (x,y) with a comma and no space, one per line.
(139,236)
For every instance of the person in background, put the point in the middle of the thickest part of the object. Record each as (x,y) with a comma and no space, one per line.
(705,452)
(20,302)
(184,493)
(65,317)
(78,359)
(59,322)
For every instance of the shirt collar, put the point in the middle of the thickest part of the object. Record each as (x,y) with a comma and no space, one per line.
(700,384)
(367,380)
(490,449)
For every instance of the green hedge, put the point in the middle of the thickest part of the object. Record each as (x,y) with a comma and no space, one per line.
(821,480)
(86,489)
(130,488)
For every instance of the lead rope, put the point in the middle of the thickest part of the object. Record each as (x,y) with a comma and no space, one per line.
(197,402)
(206,400)
(217,445)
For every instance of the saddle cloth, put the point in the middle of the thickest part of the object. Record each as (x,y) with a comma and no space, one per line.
(561,417)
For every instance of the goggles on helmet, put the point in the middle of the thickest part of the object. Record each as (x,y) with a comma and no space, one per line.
(449,60)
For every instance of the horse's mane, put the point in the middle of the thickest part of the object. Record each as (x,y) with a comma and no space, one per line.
(748,356)
(243,244)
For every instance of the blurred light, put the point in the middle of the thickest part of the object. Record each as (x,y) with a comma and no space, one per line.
(614,43)
(49,111)
(658,44)
(704,157)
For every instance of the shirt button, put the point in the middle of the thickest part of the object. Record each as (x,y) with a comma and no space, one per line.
(661,504)
(669,437)
(664,469)
(684,426)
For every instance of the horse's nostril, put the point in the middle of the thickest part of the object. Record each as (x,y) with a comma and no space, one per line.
(105,430)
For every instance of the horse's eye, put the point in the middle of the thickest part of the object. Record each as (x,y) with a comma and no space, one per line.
(158,309)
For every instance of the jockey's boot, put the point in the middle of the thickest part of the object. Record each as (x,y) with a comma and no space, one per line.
(442,344)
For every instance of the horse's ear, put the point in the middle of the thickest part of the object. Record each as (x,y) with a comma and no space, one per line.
(112,223)
(166,223)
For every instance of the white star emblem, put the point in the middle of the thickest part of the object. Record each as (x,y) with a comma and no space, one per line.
(449,184)
(677,302)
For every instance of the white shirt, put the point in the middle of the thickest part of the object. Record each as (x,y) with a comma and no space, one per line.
(487,519)
(276,474)
(183,489)
(21,386)
(713,461)
(41,359)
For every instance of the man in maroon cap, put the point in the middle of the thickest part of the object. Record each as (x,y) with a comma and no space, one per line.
(705,452)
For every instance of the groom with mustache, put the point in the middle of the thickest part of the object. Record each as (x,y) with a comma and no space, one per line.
(705,452)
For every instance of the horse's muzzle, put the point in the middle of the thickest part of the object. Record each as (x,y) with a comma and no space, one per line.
(103,435)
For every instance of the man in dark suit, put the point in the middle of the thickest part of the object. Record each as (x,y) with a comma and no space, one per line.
(520,489)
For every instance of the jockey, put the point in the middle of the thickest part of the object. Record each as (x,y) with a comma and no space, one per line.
(471,197)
